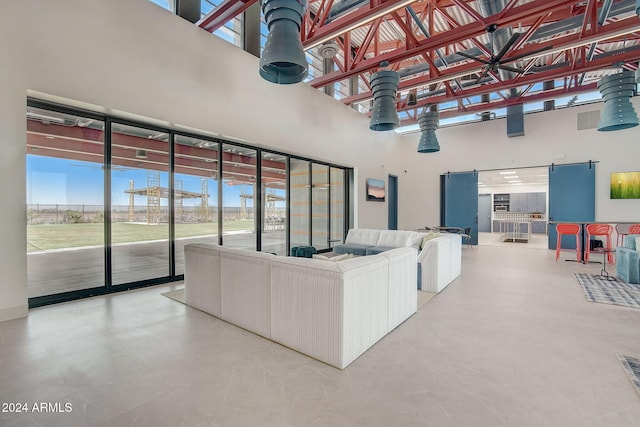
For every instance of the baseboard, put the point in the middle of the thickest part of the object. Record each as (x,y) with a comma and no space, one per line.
(16,312)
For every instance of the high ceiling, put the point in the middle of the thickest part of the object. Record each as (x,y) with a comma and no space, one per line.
(550,48)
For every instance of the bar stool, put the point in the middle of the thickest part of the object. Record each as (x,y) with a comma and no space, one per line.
(599,230)
(634,229)
(568,229)
(622,230)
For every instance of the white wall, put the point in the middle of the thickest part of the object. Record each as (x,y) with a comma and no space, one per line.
(550,137)
(136,60)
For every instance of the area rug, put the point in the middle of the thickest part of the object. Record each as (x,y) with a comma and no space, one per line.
(614,292)
(177,295)
(631,367)
(424,297)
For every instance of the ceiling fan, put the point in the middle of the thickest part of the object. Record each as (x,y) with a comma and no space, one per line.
(495,62)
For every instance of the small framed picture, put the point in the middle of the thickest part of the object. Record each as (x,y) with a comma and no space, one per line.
(375,190)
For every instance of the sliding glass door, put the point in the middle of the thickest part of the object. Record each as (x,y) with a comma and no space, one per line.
(239,172)
(65,203)
(112,203)
(139,204)
(274,203)
(300,183)
(195,189)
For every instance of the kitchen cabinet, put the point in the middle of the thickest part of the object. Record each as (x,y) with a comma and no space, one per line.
(539,227)
(527,202)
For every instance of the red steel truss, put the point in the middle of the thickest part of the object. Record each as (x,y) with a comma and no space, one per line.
(449,26)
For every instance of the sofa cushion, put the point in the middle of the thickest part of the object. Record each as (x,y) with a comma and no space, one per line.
(351,248)
(374,250)
(362,236)
(394,238)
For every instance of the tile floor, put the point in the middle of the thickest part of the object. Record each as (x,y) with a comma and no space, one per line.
(511,342)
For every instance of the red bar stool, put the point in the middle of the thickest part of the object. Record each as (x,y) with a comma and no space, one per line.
(622,230)
(599,230)
(634,229)
(568,229)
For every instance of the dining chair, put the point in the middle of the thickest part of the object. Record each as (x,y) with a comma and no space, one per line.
(466,236)
(622,230)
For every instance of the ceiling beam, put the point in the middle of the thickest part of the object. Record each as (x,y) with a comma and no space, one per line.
(223,13)
(527,11)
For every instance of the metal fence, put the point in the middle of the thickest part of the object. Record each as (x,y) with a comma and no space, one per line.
(82,214)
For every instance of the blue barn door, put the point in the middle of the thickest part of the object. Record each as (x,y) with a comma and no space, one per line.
(571,198)
(459,202)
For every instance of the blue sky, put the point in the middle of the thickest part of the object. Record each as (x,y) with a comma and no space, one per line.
(72,182)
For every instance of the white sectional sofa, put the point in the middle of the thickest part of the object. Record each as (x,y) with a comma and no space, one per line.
(331,311)
(439,259)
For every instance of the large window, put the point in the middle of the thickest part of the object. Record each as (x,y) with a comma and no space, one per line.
(195,194)
(65,203)
(274,203)
(238,197)
(139,203)
(320,206)
(337,205)
(112,203)
(300,202)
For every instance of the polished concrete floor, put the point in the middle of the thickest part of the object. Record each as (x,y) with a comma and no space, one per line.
(536,241)
(512,342)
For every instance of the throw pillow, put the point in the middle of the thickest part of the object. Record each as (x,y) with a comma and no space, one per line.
(335,258)
(341,257)
(428,237)
(416,242)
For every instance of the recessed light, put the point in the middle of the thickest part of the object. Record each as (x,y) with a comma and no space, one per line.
(515,182)
(511,177)
(507,172)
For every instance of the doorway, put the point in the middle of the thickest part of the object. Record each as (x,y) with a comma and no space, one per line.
(513,207)
(393,202)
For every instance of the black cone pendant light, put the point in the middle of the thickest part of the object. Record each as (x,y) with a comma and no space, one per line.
(283,60)
(428,122)
(616,90)
(384,85)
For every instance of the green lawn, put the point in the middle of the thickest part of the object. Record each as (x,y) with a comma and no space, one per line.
(42,237)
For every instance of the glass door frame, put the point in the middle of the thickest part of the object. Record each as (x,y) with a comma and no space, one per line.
(108,120)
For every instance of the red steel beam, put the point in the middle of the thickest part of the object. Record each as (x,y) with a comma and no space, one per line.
(526,11)
(72,149)
(132,143)
(223,13)
(596,64)
(480,107)
(565,42)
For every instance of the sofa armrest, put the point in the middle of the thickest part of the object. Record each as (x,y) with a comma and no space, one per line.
(202,277)
(403,293)
(435,261)
(628,265)
(332,311)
